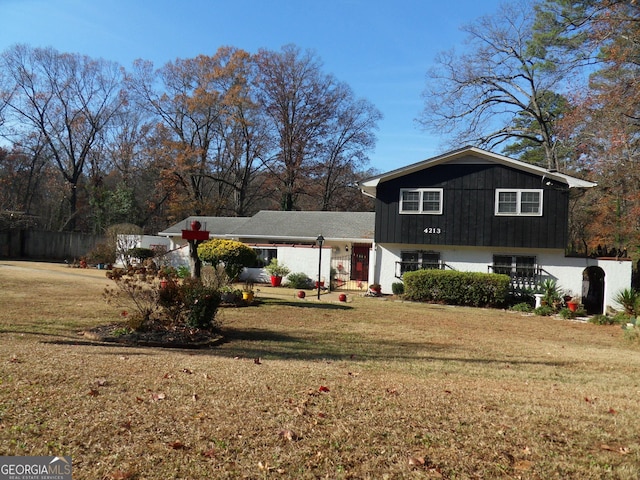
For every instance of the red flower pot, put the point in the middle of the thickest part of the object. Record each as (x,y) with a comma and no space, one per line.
(573,306)
(276,281)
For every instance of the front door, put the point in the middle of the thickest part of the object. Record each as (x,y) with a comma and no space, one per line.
(360,263)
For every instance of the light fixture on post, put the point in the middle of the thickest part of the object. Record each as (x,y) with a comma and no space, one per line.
(319,242)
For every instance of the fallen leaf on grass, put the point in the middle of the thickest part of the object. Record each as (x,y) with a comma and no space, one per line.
(323,389)
(92,392)
(523,465)
(624,450)
(416,461)
(158,396)
(289,435)
(177,445)
(607,447)
(612,411)
(392,391)
(187,371)
(211,453)
(101,382)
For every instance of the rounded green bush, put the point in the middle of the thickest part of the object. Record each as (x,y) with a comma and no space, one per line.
(233,255)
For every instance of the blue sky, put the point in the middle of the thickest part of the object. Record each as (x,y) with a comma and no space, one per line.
(382,49)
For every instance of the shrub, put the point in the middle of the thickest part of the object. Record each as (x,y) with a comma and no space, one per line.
(299,280)
(214,277)
(137,290)
(551,292)
(457,288)
(200,303)
(102,253)
(521,295)
(183,271)
(544,311)
(141,254)
(159,297)
(397,288)
(601,319)
(567,314)
(233,255)
(522,307)
(630,300)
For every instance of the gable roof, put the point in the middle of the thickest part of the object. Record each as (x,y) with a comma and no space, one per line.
(286,226)
(279,225)
(471,155)
(218,226)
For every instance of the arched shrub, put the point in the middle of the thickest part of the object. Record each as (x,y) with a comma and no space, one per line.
(233,255)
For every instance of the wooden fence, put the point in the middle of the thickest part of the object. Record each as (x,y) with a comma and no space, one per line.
(43,245)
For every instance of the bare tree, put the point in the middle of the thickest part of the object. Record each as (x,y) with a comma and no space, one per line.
(321,132)
(497,91)
(66,98)
(299,102)
(350,135)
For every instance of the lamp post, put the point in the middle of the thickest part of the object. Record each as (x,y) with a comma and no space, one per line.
(319,242)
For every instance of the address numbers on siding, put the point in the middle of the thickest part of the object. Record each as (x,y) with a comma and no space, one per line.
(433,230)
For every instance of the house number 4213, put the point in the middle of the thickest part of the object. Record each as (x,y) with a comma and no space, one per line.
(434,230)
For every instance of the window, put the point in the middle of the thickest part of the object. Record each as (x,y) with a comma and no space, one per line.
(264,255)
(522,269)
(421,200)
(412,261)
(519,202)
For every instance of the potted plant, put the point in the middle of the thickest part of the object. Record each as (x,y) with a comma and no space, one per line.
(573,303)
(277,271)
(247,291)
(375,289)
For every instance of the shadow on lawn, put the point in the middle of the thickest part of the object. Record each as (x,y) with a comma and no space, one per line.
(271,345)
(254,343)
(303,304)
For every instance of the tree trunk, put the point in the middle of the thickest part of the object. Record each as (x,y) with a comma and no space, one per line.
(195,263)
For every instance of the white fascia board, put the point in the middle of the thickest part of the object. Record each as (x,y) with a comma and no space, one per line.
(368,186)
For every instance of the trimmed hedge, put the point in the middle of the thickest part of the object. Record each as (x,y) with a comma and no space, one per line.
(457,288)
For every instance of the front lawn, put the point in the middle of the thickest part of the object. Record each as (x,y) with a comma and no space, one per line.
(371,388)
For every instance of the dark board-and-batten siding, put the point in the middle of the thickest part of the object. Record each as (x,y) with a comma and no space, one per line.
(468,216)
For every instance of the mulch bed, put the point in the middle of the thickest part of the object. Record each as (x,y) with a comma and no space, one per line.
(157,336)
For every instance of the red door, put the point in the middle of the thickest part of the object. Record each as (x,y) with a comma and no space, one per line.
(360,263)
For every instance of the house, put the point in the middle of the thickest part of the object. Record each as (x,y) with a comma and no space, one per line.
(473,210)
(291,237)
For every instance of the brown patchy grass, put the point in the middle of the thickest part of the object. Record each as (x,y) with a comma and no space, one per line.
(367,389)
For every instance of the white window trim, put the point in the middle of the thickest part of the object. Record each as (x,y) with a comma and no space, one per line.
(518,192)
(420,202)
